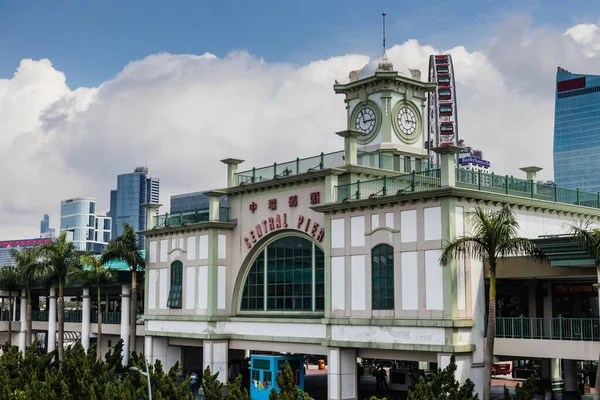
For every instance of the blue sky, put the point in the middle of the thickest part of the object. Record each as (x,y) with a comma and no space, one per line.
(92,41)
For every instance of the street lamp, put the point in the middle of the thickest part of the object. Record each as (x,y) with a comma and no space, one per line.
(146,374)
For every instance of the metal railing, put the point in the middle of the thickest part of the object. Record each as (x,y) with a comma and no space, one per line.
(183,218)
(584,329)
(298,166)
(76,316)
(520,187)
(413,182)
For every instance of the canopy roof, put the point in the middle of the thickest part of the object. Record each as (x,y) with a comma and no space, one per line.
(563,251)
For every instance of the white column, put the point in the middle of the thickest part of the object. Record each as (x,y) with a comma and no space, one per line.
(52,320)
(555,375)
(125,306)
(216,356)
(86,319)
(148,353)
(341,374)
(23,319)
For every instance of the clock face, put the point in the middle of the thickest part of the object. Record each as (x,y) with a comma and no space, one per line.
(407,121)
(365,121)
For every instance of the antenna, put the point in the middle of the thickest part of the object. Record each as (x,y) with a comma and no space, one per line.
(383,16)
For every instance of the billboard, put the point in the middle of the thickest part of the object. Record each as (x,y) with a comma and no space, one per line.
(23,243)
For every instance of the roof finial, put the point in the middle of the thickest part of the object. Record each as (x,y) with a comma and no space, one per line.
(383,16)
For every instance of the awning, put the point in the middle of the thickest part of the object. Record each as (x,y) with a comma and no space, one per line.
(563,251)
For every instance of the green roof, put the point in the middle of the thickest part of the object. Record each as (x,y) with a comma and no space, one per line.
(563,251)
(122,265)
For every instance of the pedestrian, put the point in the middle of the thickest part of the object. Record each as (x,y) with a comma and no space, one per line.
(410,381)
(377,378)
(194,382)
(383,378)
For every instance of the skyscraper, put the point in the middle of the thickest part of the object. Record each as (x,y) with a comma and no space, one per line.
(577,131)
(87,231)
(44,224)
(133,190)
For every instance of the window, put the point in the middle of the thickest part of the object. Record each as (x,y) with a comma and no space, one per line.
(382,268)
(174,300)
(287,275)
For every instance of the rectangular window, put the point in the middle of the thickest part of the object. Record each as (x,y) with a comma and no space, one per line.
(175,296)
(382,285)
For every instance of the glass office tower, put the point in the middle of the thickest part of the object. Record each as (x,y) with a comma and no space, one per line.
(88,231)
(133,190)
(577,131)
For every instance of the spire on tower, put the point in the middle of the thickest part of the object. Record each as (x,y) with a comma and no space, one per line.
(383,17)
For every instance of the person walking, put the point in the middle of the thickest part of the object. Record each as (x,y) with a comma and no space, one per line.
(410,381)
(383,378)
(377,378)
(194,382)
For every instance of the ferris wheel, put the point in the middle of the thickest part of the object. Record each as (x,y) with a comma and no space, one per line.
(442,110)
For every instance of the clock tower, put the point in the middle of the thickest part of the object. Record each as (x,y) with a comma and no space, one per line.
(387,106)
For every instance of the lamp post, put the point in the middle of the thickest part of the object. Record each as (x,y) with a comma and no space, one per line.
(146,374)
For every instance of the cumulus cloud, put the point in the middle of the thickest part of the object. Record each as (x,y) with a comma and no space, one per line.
(183,113)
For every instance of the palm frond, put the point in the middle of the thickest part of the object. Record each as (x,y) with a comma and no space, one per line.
(471,247)
(588,239)
(517,246)
(124,248)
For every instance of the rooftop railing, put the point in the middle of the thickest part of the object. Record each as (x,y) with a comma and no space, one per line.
(183,218)
(584,329)
(520,187)
(413,182)
(298,166)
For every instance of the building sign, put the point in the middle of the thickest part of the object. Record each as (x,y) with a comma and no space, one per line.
(280,221)
(574,288)
(473,160)
(23,243)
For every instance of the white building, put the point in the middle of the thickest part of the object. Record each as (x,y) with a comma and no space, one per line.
(86,229)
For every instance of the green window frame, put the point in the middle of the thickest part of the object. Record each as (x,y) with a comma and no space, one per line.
(287,275)
(382,277)
(175,293)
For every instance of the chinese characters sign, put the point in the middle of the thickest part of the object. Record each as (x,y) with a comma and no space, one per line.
(314,199)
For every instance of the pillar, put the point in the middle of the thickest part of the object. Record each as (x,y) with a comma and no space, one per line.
(214,205)
(555,375)
(232,169)
(151,212)
(447,164)
(23,320)
(52,320)
(570,375)
(350,143)
(215,354)
(331,182)
(125,320)
(341,374)
(532,176)
(86,314)
(148,353)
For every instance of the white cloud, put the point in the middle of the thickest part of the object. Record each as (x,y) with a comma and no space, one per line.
(183,113)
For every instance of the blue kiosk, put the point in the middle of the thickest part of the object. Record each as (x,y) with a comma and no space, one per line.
(264,369)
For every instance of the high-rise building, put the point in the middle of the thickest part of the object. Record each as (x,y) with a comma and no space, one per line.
(577,131)
(44,224)
(87,230)
(133,190)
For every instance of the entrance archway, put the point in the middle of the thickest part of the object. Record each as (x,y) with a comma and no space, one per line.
(286,275)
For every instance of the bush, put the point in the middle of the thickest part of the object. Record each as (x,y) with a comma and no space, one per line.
(522,392)
(443,386)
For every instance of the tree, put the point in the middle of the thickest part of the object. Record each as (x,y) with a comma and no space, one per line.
(213,389)
(61,264)
(444,386)
(494,237)
(287,387)
(589,239)
(125,248)
(9,281)
(236,391)
(28,264)
(524,392)
(93,274)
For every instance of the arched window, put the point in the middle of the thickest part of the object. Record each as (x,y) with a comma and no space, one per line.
(287,275)
(382,271)
(174,300)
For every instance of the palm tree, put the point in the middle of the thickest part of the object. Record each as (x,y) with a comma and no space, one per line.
(589,239)
(61,264)
(93,274)
(9,281)
(125,248)
(28,265)
(494,237)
